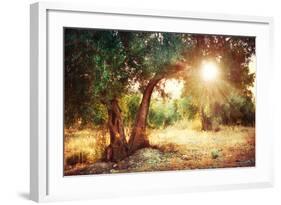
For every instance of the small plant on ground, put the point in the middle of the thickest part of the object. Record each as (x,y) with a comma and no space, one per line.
(215,153)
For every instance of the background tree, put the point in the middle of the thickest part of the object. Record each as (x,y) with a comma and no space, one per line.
(232,55)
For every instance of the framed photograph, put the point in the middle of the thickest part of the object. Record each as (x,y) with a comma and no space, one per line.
(126,102)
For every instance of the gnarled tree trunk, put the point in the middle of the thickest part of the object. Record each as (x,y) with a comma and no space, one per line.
(138,138)
(118,148)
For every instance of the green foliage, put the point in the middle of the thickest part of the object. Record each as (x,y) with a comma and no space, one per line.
(102,65)
(108,63)
(238,110)
(187,108)
(163,113)
(215,153)
(129,105)
(99,114)
(156,116)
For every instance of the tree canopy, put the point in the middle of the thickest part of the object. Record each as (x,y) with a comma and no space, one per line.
(103,65)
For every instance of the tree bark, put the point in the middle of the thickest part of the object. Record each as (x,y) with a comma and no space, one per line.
(118,148)
(138,138)
(206,121)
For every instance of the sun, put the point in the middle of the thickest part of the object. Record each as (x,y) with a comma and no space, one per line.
(209,71)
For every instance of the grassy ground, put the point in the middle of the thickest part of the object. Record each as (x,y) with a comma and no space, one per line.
(173,148)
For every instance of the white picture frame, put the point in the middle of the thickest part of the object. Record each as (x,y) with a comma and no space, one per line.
(47,182)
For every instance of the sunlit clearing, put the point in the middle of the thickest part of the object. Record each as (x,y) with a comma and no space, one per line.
(209,71)
(174,88)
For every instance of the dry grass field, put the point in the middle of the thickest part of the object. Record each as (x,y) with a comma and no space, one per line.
(177,147)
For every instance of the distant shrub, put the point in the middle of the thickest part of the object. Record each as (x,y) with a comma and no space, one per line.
(187,109)
(238,110)
(156,117)
(163,114)
(215,153)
